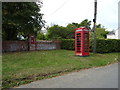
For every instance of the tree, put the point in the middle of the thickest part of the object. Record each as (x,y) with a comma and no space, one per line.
(100,32)
(57,32)
(100,26)
(21,18)
(41,36)
(85,23)
(71,29)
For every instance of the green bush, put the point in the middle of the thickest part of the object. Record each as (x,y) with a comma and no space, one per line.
(67,44)
(103,45)
(108,45)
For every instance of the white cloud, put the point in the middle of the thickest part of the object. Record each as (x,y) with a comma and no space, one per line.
(63,12)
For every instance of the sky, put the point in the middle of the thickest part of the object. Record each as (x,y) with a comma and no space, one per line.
(63,12)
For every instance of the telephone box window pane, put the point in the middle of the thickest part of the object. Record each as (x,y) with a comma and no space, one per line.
(78,33)
(86,42)
(78,42)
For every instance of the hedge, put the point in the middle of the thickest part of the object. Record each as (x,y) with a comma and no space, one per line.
(67,44)
(103,45)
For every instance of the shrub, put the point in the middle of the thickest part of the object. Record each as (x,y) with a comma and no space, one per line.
(103,45)
(67,44)
(108,45)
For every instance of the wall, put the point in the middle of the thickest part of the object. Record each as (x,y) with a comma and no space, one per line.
(110,36)
(47,45)
(113,36)
(12,46)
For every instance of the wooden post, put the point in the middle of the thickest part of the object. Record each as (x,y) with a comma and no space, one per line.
(94,28)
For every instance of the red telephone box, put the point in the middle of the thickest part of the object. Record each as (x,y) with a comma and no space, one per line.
(82,46)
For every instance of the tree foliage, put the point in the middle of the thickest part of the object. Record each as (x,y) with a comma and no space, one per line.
(101,32)
(70,30)
(21,18)
(59,32)
(56,32)
(41,36)
(85,23)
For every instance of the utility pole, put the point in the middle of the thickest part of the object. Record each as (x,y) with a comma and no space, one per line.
(94,27)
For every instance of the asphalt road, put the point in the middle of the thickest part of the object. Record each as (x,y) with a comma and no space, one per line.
(102,77)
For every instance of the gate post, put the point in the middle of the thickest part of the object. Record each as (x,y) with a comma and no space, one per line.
(32,43)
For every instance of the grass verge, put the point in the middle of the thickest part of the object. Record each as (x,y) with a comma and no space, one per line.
(24,67)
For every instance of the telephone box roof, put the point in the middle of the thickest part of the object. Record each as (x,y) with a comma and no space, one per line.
(81,28)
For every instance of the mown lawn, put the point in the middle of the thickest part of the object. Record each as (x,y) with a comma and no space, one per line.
(23,67)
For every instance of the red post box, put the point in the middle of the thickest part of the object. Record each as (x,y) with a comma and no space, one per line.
(82,46)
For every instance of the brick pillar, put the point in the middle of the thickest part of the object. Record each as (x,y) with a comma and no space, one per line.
(32,43)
